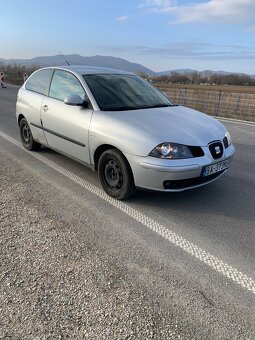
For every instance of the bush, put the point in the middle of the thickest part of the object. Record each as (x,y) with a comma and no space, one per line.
(14,73)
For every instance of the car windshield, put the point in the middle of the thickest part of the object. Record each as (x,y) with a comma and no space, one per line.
(118,92)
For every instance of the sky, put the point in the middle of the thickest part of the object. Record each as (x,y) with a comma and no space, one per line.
(159,34)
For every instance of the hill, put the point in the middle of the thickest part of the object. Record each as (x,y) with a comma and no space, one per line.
(105,61)
(76,59)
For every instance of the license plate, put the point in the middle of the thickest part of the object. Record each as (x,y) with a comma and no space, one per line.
(212,169)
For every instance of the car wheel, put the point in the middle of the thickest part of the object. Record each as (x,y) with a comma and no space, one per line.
(116,175)
(27,137)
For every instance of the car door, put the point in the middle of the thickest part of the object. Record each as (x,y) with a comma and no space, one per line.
(65,126)
(29,101)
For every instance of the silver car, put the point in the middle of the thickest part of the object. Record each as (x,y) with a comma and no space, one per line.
(121,126)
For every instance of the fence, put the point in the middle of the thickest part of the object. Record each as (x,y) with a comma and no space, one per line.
(216,103)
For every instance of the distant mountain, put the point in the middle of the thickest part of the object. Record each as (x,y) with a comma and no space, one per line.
(76,59)
(105,61)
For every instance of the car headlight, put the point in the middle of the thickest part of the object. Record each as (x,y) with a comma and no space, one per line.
(228,136)
(171,151)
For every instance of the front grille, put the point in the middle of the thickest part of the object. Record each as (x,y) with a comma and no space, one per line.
(190,182)
(196,151)
(225,142)
(216,149)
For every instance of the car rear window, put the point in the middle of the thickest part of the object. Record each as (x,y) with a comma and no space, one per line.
(39,81)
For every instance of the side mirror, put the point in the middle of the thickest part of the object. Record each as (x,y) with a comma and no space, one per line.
(76,100)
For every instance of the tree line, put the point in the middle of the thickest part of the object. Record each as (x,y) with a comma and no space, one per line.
(198,78)
(14,73)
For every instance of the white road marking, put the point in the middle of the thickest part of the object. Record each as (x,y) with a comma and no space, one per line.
(190,248)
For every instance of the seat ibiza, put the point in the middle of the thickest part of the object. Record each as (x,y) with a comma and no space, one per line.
(122,127)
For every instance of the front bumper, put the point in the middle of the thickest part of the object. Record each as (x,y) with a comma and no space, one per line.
(175,175)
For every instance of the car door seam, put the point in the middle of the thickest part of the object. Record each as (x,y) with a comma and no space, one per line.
(58,134)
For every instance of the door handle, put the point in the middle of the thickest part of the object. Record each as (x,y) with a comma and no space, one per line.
(45,108)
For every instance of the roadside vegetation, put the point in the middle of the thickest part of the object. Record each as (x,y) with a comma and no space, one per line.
(223,95)
(229,102)
(205,78)
(203,87)
(14,74)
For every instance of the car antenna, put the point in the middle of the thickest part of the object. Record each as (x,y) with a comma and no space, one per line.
(64,58)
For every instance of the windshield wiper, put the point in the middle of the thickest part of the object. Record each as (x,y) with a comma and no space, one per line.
(126,108)
(121,108)
(159,105)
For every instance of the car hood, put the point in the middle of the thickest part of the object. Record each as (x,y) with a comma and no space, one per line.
(140,131)
(175,124)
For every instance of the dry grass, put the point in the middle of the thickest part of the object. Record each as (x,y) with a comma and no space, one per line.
(226,103)
(216,88)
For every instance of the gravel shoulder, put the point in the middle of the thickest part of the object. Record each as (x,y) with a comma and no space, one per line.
(63,277)
(53,284)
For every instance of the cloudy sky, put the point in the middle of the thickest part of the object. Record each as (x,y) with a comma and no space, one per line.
(160,34)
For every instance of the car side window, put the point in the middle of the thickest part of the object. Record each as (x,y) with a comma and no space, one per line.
(39,81)
(65,84)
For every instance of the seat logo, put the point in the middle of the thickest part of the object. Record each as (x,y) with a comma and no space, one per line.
(217,150)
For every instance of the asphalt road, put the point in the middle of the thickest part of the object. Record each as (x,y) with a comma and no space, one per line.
(181,265)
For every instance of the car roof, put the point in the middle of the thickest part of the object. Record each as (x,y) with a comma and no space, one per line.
(83,70)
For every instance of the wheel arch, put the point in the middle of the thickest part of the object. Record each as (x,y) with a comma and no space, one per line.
(21,116)
(102,148)
(112,160)
(98,152)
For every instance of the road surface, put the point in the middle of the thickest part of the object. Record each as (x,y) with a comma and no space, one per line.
(78,264)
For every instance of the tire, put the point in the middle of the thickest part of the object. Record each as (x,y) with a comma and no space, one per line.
(27,137)
(116,175)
